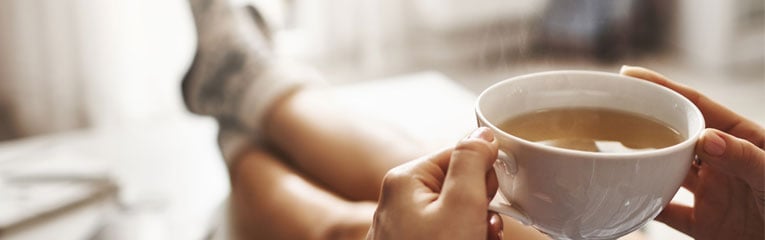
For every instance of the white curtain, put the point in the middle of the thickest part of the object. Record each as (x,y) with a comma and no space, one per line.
(101,63)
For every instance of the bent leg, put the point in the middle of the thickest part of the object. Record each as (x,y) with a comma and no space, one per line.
(347,152)
(271,201)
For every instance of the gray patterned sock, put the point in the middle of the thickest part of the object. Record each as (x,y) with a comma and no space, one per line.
(232,49)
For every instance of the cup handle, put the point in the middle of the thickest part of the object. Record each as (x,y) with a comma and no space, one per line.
(506,165)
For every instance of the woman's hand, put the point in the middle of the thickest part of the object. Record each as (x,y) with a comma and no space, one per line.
(728,181)
(442,196)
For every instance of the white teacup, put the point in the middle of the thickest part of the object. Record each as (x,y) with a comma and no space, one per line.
(570,194)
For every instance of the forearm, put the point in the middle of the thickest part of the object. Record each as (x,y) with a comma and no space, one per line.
(272,201)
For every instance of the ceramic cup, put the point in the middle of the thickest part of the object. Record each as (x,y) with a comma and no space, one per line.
(571,194)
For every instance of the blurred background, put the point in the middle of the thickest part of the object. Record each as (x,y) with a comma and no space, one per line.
(97,82)
(80,63)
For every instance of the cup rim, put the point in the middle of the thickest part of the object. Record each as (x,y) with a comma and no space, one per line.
(690,140)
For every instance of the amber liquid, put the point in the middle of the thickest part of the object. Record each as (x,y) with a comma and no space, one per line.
(592,129)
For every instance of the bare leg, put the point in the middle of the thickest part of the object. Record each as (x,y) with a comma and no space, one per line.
(230,77)
(272,201)
(348,153)
(233,78)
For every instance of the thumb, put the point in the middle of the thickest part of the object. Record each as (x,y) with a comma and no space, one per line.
(471,160)
(733,156)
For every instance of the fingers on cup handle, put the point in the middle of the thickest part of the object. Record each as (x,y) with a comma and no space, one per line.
(471,160)
(733,156)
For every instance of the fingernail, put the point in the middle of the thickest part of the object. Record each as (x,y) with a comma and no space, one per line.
(482,133)
(500,235)
(624,68)
(494,220)
(714,145)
